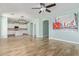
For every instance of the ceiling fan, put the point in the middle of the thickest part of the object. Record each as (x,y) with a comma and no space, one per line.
(43,7)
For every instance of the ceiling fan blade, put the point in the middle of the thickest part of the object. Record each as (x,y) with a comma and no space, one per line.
(40,12)
(51,5)
(42,4)
(35,8)
(48,10)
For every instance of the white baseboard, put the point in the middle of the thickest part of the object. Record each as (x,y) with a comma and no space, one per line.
(63,40)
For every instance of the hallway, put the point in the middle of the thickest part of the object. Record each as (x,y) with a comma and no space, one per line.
(28,46)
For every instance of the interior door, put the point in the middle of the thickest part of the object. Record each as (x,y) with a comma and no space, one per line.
(46,28)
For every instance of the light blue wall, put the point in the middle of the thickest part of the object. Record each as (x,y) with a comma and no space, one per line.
(4,27)
(0,27)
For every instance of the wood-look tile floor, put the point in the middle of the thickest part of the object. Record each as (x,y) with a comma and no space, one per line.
(28,46)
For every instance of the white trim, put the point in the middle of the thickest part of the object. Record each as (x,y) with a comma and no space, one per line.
(63,40)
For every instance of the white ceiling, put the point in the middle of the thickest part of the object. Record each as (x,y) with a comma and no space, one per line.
(24,9)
